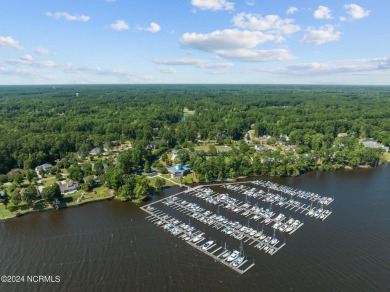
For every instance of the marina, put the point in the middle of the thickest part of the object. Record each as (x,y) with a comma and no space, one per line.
(113,242)
(257,215)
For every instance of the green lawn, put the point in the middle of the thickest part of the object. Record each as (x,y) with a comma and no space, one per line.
(50,180)
(5,213)
(218,147)
(188,112)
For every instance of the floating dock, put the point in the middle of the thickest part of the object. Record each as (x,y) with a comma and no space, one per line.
(238,208)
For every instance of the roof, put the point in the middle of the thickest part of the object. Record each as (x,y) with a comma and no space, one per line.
(95,151)
(374,144)
(178,168)
(68,187)
(44,167)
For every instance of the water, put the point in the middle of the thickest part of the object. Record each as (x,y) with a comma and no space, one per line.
(109,246)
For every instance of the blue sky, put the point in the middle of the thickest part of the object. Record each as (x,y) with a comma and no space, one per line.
(195,41)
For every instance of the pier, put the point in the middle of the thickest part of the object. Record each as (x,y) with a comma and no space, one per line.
(240,206)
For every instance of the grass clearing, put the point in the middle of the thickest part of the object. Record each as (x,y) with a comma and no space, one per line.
(188,112)
(218,147)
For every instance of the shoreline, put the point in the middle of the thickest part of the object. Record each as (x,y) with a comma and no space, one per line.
(87,201)
(52,208)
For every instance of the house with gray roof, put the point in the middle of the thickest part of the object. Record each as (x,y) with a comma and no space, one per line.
(43,168)
(68,187)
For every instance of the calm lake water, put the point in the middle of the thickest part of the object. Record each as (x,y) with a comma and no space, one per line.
(109,246)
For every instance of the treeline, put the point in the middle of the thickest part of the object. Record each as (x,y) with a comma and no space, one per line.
(41,124)
(245,161)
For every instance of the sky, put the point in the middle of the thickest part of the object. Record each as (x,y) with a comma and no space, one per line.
(195,41)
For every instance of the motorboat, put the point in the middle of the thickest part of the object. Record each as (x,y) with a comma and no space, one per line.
(238,262)
(225,255)
(207,244)
(233,256)
(260,245)
(290,221)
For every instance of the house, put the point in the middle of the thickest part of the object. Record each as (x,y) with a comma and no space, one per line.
(43,168)
(260,147)
(95,151)
(374,144)
(178,170)
(68,187)
(342,135)
(96,179)
(291,148)
(16,170)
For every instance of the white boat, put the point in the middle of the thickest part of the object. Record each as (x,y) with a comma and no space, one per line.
(274,241)
(260,245)
(233,256)
(238,262)
(225,255)
(207,244)
(197,238)
(296,223)
(289,229)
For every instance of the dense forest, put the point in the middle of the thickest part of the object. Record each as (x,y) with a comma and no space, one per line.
(42,124)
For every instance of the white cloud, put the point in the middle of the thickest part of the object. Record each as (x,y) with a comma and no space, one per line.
(228,39)
(153,27)
(200,63)
(180,61)
(29,61)
(245,55)
(270,23)
(48,68)
(236,45)
(68,17)
(213,4)
(167,70)
(250,3)
(119,25)
(323,12)
(27,58)
(42,51)
(292,10)
(9,42)
(322,35)
(215,65)
(357,66)
(356,11)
